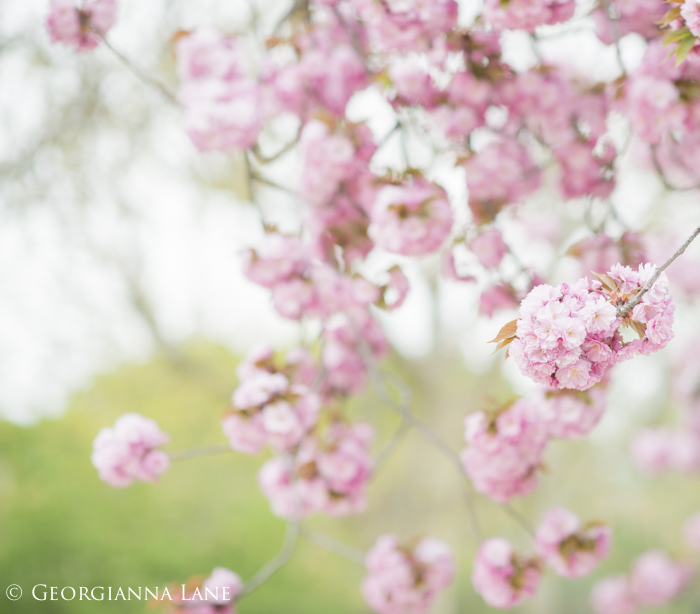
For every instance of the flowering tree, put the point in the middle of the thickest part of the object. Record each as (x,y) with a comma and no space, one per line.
(283,96)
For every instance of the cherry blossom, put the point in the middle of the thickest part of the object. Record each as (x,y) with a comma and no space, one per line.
(405,579)
(503,578)
(80,25)
(129,451)
(570,548)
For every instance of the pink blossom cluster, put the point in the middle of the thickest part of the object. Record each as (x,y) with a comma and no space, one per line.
(527,14)
(571,414)
(655,580)
(346,338)
(80,25)
(690,12)
(571,549)
(502,577)
(328,69)
(406,579)
(129,451)
(691,532)
(272,406)
(601,251)
(583,172)
(658,103)
(413,218)
(569,336)
(223,104)
(335,161)
(328,473)
(659,449)
(216,595)
(497,297)
(463,103)
(301,284)
(625,16)
(557,105)
(504,450)
(406,25)
(489,247)
(501,173)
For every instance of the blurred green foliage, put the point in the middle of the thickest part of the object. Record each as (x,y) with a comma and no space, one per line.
(61,526)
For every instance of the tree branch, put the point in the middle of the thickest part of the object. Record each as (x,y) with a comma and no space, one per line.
(142,75)
(625,310)
(333,545)
(197,452)
(291,538)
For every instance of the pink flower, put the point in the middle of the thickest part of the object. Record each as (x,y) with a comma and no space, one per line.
(500,296)
(223,109)
(501,173)
(412,83)
(221,587)
(329,473)
(568,336)
(640,16)
(655,450)
(527,14)
(276,259)
(656,579)
(404,26)
(503,578)
(571,414)
(269,408)
(489,247)
(128,451)
(504,451)
(402,579)
(571,549)
(81,28)
(396,290)
(690,11)
(691,532)
(413,219)
(613,596)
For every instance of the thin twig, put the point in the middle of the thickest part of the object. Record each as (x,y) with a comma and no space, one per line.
(391,446)
(142,75)
(624,311)
(519,518)
(535,48)
(255,149)
(424,429)
(616,35)
(333,545)
(197,452)
(291,538)
(255,176)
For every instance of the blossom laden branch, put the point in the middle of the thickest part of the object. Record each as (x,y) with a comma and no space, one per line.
(624,310)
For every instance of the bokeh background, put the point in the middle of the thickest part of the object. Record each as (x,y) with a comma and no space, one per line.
(121,290)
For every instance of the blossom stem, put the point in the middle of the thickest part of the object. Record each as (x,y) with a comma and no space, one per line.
(424,429)
(291,539)
(625,309)
(143,76)
(333,545)
(197,452)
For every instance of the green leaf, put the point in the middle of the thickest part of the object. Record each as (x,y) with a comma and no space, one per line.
(676,35)
(684,48)
(672,15)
